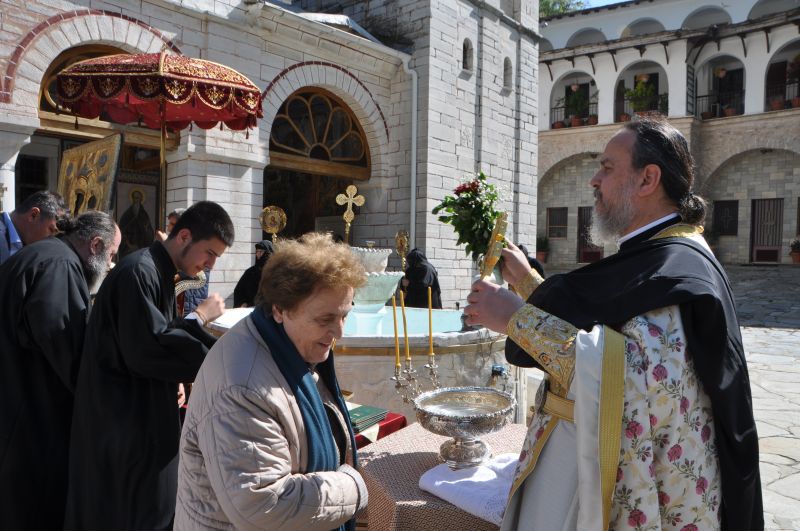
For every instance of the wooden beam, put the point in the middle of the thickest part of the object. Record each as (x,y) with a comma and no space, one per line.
(317,167)
(64,125)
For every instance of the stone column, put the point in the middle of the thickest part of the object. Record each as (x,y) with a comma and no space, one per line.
(11,143)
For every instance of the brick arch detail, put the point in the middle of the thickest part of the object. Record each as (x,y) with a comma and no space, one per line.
(67,23)
(718,158)
(342,83)
(569,152)
(321,74)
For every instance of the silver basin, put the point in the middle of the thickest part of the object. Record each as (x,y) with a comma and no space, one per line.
(465,414)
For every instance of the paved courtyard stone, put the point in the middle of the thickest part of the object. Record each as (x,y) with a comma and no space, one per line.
(768,303)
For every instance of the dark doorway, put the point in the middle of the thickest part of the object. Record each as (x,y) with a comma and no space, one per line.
(586,251)
(304,197)
(766,230)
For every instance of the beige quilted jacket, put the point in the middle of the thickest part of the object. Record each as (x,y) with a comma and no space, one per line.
(243,451)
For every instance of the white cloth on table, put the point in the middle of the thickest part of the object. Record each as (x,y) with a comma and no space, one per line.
(481,490)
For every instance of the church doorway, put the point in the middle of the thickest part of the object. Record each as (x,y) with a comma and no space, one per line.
(317,149)
(586,251)
(766,231)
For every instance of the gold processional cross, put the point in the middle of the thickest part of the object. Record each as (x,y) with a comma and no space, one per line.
(401,244)
(350,198)
(495,247)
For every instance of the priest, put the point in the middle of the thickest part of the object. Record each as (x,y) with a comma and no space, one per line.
(126,426)
(645,417)
(44,300)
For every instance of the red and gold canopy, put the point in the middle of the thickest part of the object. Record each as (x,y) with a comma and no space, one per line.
(160,89)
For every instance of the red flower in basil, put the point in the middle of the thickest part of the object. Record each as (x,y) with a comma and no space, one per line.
(663,498)
(522,455)
(653,420)
(705,433)
(619,474)
(684,405)
(539,432)
(701,486)
(659,372)
(674,453)
(689,527)
(654,330)
(636,518)
(633,429)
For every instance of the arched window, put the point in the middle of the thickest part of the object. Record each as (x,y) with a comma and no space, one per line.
(466,55)
(315,133)
(316,148)
(508,74)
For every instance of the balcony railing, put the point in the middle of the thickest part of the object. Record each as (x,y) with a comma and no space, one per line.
(783,95)
(656,103)
(559,117)
(718,104)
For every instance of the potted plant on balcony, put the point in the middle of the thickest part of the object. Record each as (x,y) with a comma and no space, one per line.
(641,96)
(542,248)
(729,110)
(776,103)
(794,252)
(576,105)
(793,77)
(592,118)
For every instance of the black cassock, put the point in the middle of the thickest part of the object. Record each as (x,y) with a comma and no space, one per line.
(45,304)
(126,426)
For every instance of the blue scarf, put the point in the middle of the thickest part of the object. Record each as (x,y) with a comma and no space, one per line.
(322,452)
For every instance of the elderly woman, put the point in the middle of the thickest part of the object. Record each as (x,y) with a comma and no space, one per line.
(267,442)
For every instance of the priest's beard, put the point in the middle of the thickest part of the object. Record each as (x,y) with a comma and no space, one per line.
(95,268)
(609,226)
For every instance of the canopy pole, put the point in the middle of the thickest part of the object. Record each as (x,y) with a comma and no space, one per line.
(162,211)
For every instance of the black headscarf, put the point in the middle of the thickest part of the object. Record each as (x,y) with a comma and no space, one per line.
(647,274)
(246,289)
(421,274)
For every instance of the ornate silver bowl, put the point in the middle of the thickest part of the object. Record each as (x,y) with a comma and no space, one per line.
(465,414)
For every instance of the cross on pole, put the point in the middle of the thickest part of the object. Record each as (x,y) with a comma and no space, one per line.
(349,198)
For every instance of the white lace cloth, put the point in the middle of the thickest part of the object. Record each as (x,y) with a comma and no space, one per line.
(481,491)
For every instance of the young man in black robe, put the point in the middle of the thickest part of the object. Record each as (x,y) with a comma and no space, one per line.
(44,297)
(645,417)
(126,427)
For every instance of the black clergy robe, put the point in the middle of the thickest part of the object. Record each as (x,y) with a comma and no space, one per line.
(126,426)
(45,305)
(647,274)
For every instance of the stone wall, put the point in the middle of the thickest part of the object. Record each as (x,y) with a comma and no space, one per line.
(771,174)
(741,157)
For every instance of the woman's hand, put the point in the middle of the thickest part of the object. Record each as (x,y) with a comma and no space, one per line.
(515,264)
(491,306)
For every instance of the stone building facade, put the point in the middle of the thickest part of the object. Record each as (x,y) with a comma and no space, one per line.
(727,76)
(425,120)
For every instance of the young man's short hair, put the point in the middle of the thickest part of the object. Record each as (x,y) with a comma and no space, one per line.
(205,220)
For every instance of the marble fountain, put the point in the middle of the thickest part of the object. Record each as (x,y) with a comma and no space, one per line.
(365,355)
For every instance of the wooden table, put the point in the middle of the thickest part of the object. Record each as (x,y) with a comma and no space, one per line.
(392,467)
